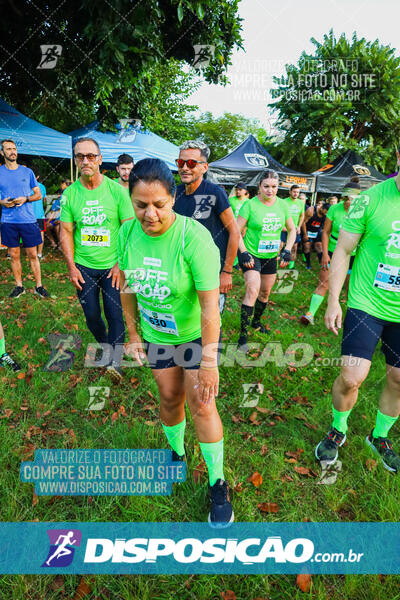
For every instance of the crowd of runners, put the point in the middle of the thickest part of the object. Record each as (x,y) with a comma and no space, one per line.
(162,257)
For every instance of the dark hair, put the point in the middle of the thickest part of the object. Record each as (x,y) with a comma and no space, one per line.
(268,174)
(326,206)
(355,179)
(87,139)
(150,170)
(67,181)
(10,141)
(124,159)
(294,187)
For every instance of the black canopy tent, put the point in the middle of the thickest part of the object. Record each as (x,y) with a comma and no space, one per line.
(332,177)
(246,163)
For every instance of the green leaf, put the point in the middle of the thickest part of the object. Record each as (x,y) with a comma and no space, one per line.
(180,12)
(200,11)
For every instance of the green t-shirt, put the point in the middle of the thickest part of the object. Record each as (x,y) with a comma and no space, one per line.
(337,215)
(98,214)
(375,278)
(164,272)
(264,226)
(236,204)
(295,208)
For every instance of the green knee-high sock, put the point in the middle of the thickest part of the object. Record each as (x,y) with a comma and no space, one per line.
(316,301)
(213,454)
(291,264)
(2,345)
(176,436)
(383,424)
(340,419)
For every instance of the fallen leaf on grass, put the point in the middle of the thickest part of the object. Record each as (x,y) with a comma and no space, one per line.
(264,450)
(371,464)
(239,487)
(296,454)
(256,479)
(21,376)
(261,409)
(291,460)
(83,590)
(41,340)
(34,499)
(228,595)
(268,507)
(253,418)
(114,417)
(304,582)
(199,471)
(303,471)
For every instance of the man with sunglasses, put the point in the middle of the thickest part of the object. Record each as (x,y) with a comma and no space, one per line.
(208,203)
(97,206)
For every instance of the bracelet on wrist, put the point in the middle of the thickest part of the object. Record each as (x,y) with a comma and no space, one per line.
(208,368)
(229,272)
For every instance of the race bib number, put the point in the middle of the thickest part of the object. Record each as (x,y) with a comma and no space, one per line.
(159,321)
(312,235)
(95,236)
(387,278)
(268,246)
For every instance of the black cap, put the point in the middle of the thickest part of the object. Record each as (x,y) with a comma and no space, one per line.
(241,185)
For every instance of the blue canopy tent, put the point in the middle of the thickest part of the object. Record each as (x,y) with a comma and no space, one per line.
(130,140)
(31,137)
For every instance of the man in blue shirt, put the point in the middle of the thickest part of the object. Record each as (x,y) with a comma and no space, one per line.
(208,203)
(38,209)
(18,220)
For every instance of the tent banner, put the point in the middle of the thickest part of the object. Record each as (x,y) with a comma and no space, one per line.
(286,180)
(329,184)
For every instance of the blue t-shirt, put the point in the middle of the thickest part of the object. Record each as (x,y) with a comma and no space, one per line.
(38,204)
(14,183)
(206,205)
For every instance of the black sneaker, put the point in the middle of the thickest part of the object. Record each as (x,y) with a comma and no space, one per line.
(177,457)
(8,362)
(42,292)
(17,291)
(327,450)
(258,327)
(221,511)
(383,447)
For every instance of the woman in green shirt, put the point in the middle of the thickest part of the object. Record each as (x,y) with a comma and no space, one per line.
(264,217)
(170,270)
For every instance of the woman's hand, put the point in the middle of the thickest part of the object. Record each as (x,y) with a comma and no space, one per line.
(134,348)
(208,383)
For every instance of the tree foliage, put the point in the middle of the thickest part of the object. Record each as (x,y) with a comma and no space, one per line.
(318,106)
(108,51)
(223,134)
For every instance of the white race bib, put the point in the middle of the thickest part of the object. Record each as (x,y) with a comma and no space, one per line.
(95,236)
(387,278)
(159,321)
(268,246)
(312,235)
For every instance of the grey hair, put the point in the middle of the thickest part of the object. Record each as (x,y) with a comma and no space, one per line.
(196,144)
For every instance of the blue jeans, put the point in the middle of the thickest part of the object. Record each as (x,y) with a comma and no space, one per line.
(89,297)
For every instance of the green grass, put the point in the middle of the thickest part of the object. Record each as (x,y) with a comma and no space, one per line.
(49,411)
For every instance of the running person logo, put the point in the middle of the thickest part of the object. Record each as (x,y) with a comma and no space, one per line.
(50,56)
(62,547)
(358,206)
(204,204)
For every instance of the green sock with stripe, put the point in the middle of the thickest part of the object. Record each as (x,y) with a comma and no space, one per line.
(316,301)
(2,345)
(340,419)
(213,454)
(176,436)
(383,424)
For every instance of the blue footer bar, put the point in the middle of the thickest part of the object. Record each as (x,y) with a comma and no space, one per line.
(167,548)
